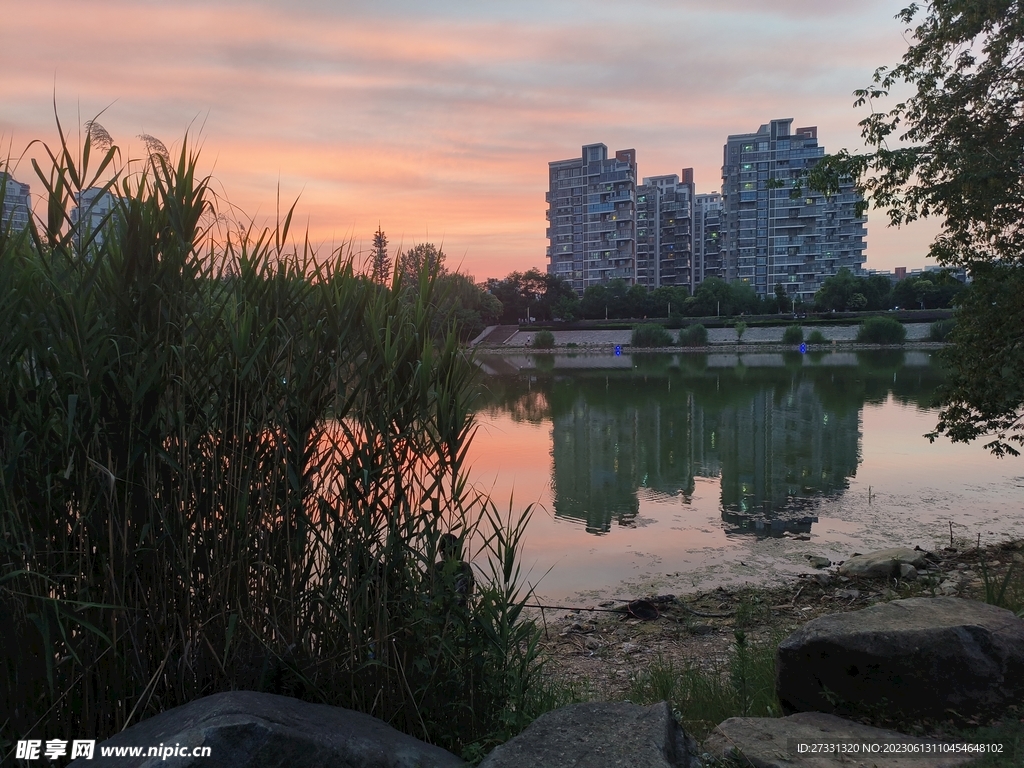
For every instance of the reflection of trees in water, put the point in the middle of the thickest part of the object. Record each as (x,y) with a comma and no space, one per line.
(778,436)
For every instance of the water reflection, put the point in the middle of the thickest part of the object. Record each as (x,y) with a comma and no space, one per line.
(780,430)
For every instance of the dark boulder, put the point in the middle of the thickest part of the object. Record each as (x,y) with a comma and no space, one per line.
(246,729)
(927,657)
(599,735)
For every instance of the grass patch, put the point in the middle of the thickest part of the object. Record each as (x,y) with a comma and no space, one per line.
(817,337)
(702,697)
(1007,591)
(1009,733)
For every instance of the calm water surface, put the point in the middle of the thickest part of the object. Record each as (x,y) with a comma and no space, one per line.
(670,473)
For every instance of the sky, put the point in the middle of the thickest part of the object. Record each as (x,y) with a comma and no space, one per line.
(436,120)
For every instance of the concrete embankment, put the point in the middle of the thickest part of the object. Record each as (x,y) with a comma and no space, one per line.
(916,332)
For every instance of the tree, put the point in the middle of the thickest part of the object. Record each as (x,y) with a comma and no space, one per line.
(534,294)
(958,154)
(463,305)
(380,262)
(712,297)
(782,297)
(423,256)
(836,291)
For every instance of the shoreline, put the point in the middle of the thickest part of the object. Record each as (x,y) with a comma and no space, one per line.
(601,645)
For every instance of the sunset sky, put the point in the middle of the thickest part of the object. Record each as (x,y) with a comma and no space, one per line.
(437,119)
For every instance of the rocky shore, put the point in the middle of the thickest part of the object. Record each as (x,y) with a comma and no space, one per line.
(599,651)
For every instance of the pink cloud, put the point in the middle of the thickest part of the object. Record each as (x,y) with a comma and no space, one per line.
(441,122)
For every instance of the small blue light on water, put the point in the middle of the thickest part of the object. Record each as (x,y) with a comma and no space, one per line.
(803,349)
(618,350)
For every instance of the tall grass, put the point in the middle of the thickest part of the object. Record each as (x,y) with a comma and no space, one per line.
(226,463)
(704,696)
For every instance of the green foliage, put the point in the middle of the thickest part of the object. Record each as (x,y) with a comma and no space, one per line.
(740,329)
(940,329)
(650,335)
(963,61)
(817,337)
(534,294)
(226,462)
(782,298)
(704,695)
(1006,592)
(984,394)
(881,330)
(461,305)
(958,157)
(929,290)
(793,334)
(693,336)
(543,340)
(422,259)
(844,291)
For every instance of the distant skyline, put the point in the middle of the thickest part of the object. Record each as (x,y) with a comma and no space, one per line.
(438,120)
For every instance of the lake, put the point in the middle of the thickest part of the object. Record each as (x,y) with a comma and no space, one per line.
(672,473)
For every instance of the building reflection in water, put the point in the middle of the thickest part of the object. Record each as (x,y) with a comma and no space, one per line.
(779,435)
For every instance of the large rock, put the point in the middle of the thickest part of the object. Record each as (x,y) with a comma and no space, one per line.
(245,729)
(773,742)
(883,564)
(599,735)
(922,657)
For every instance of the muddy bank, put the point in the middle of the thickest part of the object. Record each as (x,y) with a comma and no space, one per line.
(601,649)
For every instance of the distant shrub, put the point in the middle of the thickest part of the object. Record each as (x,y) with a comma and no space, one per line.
(881,330)
(650,335)
(793,334)
(741,328)
(817,337)
(693,336)
(939,330)
(543,340)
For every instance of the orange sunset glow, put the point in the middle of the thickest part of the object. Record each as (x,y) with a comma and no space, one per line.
(437,120)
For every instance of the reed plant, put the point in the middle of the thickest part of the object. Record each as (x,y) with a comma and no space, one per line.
(227,462)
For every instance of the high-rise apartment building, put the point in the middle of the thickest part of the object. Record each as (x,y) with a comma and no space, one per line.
(591,213)
(774,228)
(17,206)
(94,208)
(707,223)
(664,230)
